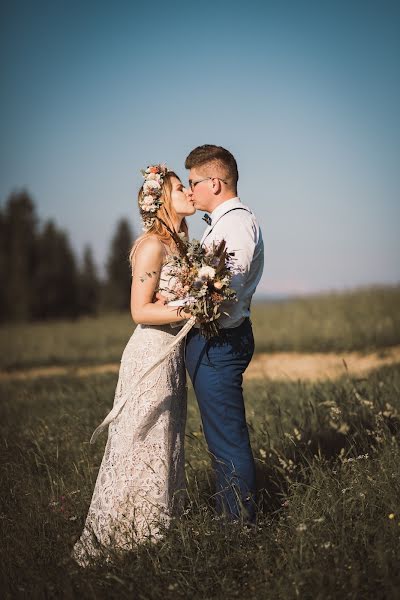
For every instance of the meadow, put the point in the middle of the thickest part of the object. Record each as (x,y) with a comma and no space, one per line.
(364,320)
(327,456)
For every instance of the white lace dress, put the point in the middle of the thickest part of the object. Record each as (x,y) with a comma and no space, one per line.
(141,479)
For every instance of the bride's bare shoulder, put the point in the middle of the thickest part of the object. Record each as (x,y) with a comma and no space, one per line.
(148,246)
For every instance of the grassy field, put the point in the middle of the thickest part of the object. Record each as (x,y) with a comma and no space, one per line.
(327,456)
(360,320)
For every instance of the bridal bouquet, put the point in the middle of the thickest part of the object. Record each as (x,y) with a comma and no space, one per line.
(202,278)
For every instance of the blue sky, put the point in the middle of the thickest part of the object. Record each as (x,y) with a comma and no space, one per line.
(305,94)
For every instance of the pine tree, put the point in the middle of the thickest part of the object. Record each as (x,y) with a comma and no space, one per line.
(19,224)
(89,285)
(118,268)
(3,264)
(56,281)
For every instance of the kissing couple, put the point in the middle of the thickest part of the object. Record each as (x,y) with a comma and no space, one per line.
(141,481)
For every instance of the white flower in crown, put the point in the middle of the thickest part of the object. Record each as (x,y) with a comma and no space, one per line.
(150,200)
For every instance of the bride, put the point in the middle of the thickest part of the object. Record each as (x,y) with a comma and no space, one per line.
(142,472)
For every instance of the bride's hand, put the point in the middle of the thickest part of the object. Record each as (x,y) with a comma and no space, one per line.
(160,299)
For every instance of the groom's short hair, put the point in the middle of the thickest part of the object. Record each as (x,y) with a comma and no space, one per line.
(209,155)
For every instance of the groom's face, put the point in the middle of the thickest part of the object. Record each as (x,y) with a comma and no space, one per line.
(200,189)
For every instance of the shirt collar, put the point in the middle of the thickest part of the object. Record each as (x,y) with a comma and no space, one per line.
(224,207)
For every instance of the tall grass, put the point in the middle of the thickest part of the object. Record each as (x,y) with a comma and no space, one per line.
(366,319)
(327,457)
(83,341)
(361,320)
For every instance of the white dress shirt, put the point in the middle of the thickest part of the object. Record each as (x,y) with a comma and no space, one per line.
(236,224)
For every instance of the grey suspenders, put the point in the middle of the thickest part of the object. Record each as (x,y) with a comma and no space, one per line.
(222,216)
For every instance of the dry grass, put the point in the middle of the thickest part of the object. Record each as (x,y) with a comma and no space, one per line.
(276,366)
(327,456)
(365,320)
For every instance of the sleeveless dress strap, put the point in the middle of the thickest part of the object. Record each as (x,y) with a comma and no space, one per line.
(142,240)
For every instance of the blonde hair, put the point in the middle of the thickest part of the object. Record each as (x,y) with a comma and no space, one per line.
(166,213)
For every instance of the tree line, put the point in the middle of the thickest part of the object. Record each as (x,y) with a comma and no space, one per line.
(40,275)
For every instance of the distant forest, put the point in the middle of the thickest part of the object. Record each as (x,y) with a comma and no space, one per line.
(40,275)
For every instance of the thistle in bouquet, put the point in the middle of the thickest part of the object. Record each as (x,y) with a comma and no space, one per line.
(202,275)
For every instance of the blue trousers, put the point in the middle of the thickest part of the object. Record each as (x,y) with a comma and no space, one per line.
(216,369)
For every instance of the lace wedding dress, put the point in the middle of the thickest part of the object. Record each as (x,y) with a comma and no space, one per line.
(141,479)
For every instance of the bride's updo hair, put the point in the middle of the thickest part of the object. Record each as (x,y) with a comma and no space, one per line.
(166,213)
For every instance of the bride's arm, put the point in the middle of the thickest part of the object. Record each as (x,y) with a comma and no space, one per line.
(149,258)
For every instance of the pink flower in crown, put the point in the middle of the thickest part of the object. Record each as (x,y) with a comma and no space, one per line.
(153,177)
(150,185)
(147,202)
(150,200)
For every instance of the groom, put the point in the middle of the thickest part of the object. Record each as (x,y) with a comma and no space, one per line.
(216,366)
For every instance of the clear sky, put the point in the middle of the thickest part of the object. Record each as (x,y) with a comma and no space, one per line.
(305,94)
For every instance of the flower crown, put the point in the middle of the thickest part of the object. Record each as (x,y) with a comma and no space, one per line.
(150,198)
